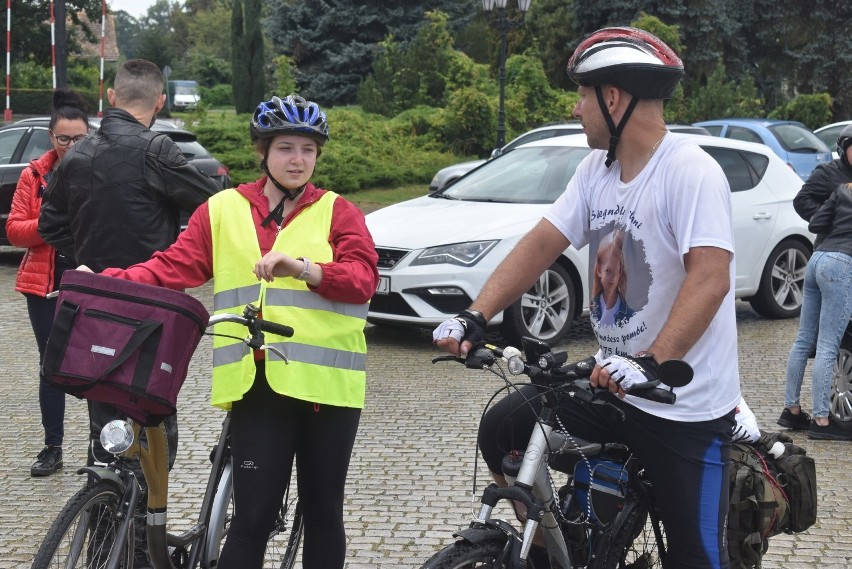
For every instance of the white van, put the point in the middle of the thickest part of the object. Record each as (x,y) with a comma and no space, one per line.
(182,95)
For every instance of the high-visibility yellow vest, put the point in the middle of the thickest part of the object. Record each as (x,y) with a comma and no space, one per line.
(327,352)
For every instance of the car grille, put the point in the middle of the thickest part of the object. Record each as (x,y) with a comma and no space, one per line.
(388,258)
(392,303)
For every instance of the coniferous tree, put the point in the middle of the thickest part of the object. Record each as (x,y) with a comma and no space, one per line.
(247,57)
(333,42)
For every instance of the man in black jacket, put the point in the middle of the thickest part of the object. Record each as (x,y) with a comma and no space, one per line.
(117,198)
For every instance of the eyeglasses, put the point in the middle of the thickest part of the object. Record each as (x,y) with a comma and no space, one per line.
(65,140)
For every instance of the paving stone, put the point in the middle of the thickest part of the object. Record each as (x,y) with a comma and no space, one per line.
(413,466)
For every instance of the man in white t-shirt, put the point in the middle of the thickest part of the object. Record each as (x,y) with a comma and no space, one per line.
(671,201)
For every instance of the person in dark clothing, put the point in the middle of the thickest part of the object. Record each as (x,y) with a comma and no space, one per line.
(825,179)
(824,201)
(117,198)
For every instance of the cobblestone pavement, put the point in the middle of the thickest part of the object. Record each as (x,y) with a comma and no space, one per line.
(412,469)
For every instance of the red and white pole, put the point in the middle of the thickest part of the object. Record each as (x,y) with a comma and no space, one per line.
(7,114)
(103,41)
(53,43)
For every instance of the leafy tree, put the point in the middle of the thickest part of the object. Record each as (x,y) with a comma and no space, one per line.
(406,77)
(551,22)
(208,58)
(247,57)
(812,110)
(30,30)
(333,42)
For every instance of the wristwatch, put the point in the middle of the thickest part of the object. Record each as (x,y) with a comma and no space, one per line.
(644,354)
(306,271)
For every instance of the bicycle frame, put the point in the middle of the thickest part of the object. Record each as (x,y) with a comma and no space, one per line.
(533,489)
(155,467)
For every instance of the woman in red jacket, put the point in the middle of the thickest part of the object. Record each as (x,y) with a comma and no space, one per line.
(42,267)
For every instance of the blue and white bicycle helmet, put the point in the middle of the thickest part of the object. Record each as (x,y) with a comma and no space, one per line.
(290,115)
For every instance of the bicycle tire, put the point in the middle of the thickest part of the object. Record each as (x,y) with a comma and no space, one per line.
(282,546)
(633,543)
(97,510)
(491,554)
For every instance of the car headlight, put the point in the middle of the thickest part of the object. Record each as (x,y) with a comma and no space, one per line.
(464,254)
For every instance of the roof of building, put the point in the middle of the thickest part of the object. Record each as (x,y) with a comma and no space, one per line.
(93,49)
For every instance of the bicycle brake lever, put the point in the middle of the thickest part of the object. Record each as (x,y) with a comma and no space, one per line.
(275,351)
(447,359)
(596,400)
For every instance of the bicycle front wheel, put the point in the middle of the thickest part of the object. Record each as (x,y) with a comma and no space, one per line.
(282,546)
(637,541)
(87,532)
(494,553)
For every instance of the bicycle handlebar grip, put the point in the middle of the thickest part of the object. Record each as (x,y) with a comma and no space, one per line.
(274,328)
(658,395)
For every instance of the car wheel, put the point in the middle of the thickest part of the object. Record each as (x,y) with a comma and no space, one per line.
(782,282)
(545,311)
(841,389)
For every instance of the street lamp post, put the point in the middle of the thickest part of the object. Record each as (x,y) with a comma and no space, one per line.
(504,24)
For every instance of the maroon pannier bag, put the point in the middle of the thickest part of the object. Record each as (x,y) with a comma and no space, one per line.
(123,343)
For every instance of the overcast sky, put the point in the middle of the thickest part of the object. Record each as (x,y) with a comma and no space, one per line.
(136,8)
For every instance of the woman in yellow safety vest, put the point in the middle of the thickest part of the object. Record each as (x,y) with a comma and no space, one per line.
(306,257)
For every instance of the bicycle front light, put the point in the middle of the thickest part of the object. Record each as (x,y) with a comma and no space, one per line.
(116,436)
(516,365)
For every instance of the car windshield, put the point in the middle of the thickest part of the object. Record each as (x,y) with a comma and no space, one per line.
(795,138)
(537,174)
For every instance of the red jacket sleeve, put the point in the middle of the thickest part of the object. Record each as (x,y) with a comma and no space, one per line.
(22,224)
(352,276)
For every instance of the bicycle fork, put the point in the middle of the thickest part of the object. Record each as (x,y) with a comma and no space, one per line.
(531,488)
(129,497)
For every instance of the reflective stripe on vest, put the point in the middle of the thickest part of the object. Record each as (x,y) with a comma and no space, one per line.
(326,354)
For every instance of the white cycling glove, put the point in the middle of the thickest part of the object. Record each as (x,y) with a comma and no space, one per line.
(746,429)
(452,328)
(629,372)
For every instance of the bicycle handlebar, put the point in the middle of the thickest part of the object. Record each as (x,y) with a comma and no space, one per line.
(264,325)
(549,369)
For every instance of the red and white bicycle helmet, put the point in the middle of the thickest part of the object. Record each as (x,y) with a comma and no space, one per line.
(629,58)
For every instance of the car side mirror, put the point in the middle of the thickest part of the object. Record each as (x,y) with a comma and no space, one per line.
(496,152)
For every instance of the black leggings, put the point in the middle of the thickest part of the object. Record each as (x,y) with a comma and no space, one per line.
(267,431)
(686,462)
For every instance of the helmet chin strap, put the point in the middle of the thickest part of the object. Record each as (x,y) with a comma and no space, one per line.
(277,213)
(615,132)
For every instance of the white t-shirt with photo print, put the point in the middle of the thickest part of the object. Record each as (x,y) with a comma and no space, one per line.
(680,200)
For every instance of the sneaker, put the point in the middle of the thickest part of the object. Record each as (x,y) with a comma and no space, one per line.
(800,421)
(833,431)
(48,461)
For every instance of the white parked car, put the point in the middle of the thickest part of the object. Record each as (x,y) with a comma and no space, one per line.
(828,134)
(436,251)
(446,176)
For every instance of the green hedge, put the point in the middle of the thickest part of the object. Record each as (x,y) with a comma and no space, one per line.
(365,150)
